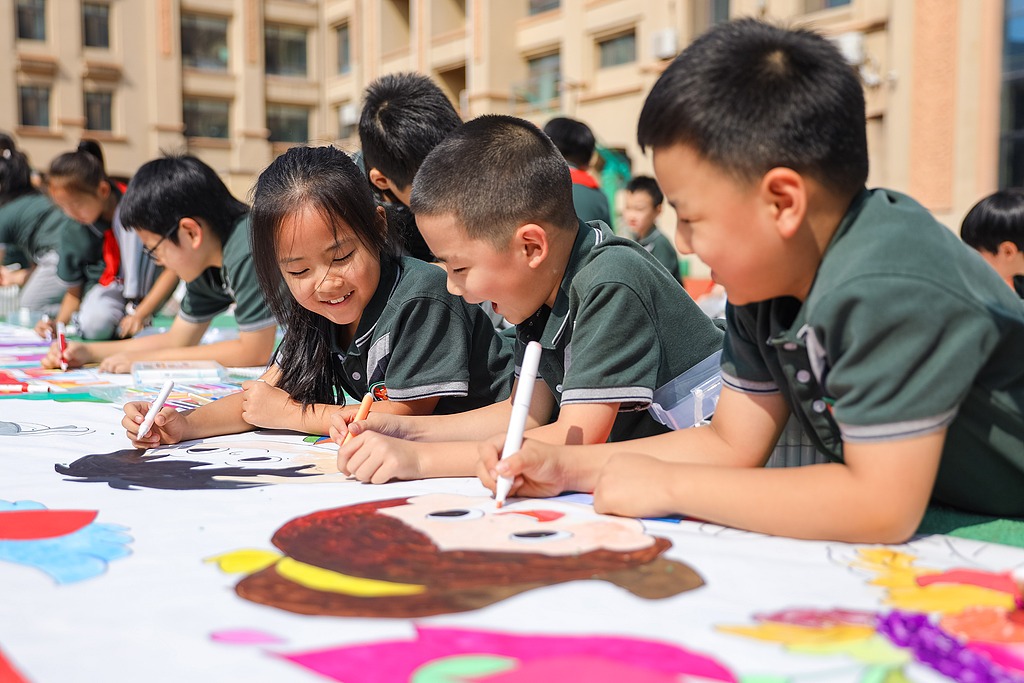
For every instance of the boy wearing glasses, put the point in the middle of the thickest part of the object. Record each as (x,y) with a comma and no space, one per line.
(190,223)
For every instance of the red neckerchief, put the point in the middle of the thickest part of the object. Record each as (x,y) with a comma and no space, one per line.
(111,250)
(581,177)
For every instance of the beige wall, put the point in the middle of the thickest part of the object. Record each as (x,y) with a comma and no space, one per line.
(932,68)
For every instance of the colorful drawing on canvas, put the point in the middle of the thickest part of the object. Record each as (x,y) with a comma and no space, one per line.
(68,545)
(446,553)
(454,655)
(966,623)
(237,462)
(8,673)
(35,429)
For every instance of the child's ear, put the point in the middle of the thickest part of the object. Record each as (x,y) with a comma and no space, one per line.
(785,194)
(531,240)
(190,232)
(103,190)
(379,180)
(1007,250)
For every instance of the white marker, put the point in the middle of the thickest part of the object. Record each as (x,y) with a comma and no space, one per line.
(155,407)
(520,411)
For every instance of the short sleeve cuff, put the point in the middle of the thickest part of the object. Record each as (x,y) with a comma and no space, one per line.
(634,396)
(748,386)
(896,430)
(198,319)
(429,391)
(257,325)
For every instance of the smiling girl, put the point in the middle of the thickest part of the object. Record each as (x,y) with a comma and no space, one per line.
(359,319)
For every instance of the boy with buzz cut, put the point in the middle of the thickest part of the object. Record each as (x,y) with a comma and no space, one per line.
(896,347)
(494,202)
(643,206)
(404,116)
(190,223)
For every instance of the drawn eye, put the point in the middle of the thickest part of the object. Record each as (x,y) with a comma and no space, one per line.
(206,450)
(458,515)
(540,536)
(262,458)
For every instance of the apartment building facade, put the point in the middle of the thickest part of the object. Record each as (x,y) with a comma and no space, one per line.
(237,81)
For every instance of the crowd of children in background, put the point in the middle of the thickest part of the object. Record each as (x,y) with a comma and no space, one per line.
(419,269)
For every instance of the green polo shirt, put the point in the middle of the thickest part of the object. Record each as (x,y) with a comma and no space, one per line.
(34,224)
(620,328)
(233,283)
(415,341)
(905,331)
(81,255)
(661,249)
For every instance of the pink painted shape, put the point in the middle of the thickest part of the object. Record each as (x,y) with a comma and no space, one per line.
(1002,581)
(31,525)
(578,668)
(245,636)
(397,660)
(999,654)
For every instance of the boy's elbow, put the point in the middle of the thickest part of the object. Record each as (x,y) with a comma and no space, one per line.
(886,524)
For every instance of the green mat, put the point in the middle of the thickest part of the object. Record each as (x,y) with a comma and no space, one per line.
(943,520)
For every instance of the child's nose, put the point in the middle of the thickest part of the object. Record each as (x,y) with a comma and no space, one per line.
(683,241)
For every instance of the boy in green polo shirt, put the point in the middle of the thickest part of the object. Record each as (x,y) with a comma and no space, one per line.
(896,347)
(494,202)
(643,206)
(190,223)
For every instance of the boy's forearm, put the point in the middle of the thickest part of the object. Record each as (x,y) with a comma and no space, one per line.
(223,416)
(451,459)
(69,304)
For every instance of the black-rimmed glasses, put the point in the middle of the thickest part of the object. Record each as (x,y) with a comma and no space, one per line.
(151,251)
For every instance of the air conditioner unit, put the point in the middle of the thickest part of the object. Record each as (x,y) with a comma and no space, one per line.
(665,43)
(348,115)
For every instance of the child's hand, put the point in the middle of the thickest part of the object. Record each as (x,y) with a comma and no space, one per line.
(13,277)
(46,328)
(343,422)
(130,325)
(376,459)
(264,405)
(120,363)
(168,427)
(634,485)
(76,354)
(536,469)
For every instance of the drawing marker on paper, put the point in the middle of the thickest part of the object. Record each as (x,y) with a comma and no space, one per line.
(49,334)
(62,341)
(364,410)
(154,408)
(520,411)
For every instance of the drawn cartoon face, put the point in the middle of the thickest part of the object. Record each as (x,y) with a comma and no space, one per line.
(439,554)
(220,463)
(455,522)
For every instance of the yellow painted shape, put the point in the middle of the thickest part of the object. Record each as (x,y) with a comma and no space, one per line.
(793,634)
(321,579)
(247,561)
(947,598)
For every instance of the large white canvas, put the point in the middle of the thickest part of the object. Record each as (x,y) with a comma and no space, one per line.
(151,613)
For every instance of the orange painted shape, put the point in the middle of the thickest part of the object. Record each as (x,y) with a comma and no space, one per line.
(1001,582)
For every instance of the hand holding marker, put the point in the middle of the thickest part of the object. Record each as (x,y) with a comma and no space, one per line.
(62,342)
(520,411)
(155,407)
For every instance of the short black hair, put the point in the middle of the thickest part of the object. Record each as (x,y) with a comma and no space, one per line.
(15,171)
(645,183)
(493,175)
(748,97)
(404,116)
(573,138)
(997,218)
(170,188)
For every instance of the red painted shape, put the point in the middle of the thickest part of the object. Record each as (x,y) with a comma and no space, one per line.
(539,515)
(8,673)
(30,525)
(1001,582)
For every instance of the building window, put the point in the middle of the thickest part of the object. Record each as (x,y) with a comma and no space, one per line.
(35,105)
(95,25)
(98,106)
(32,19)
(285,50)
(344,49)
(818,5)
(348,120)
(538,6)
(205,118)
(288,123)
(204,42)
(618,50)
(1011,142)
(544,75)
